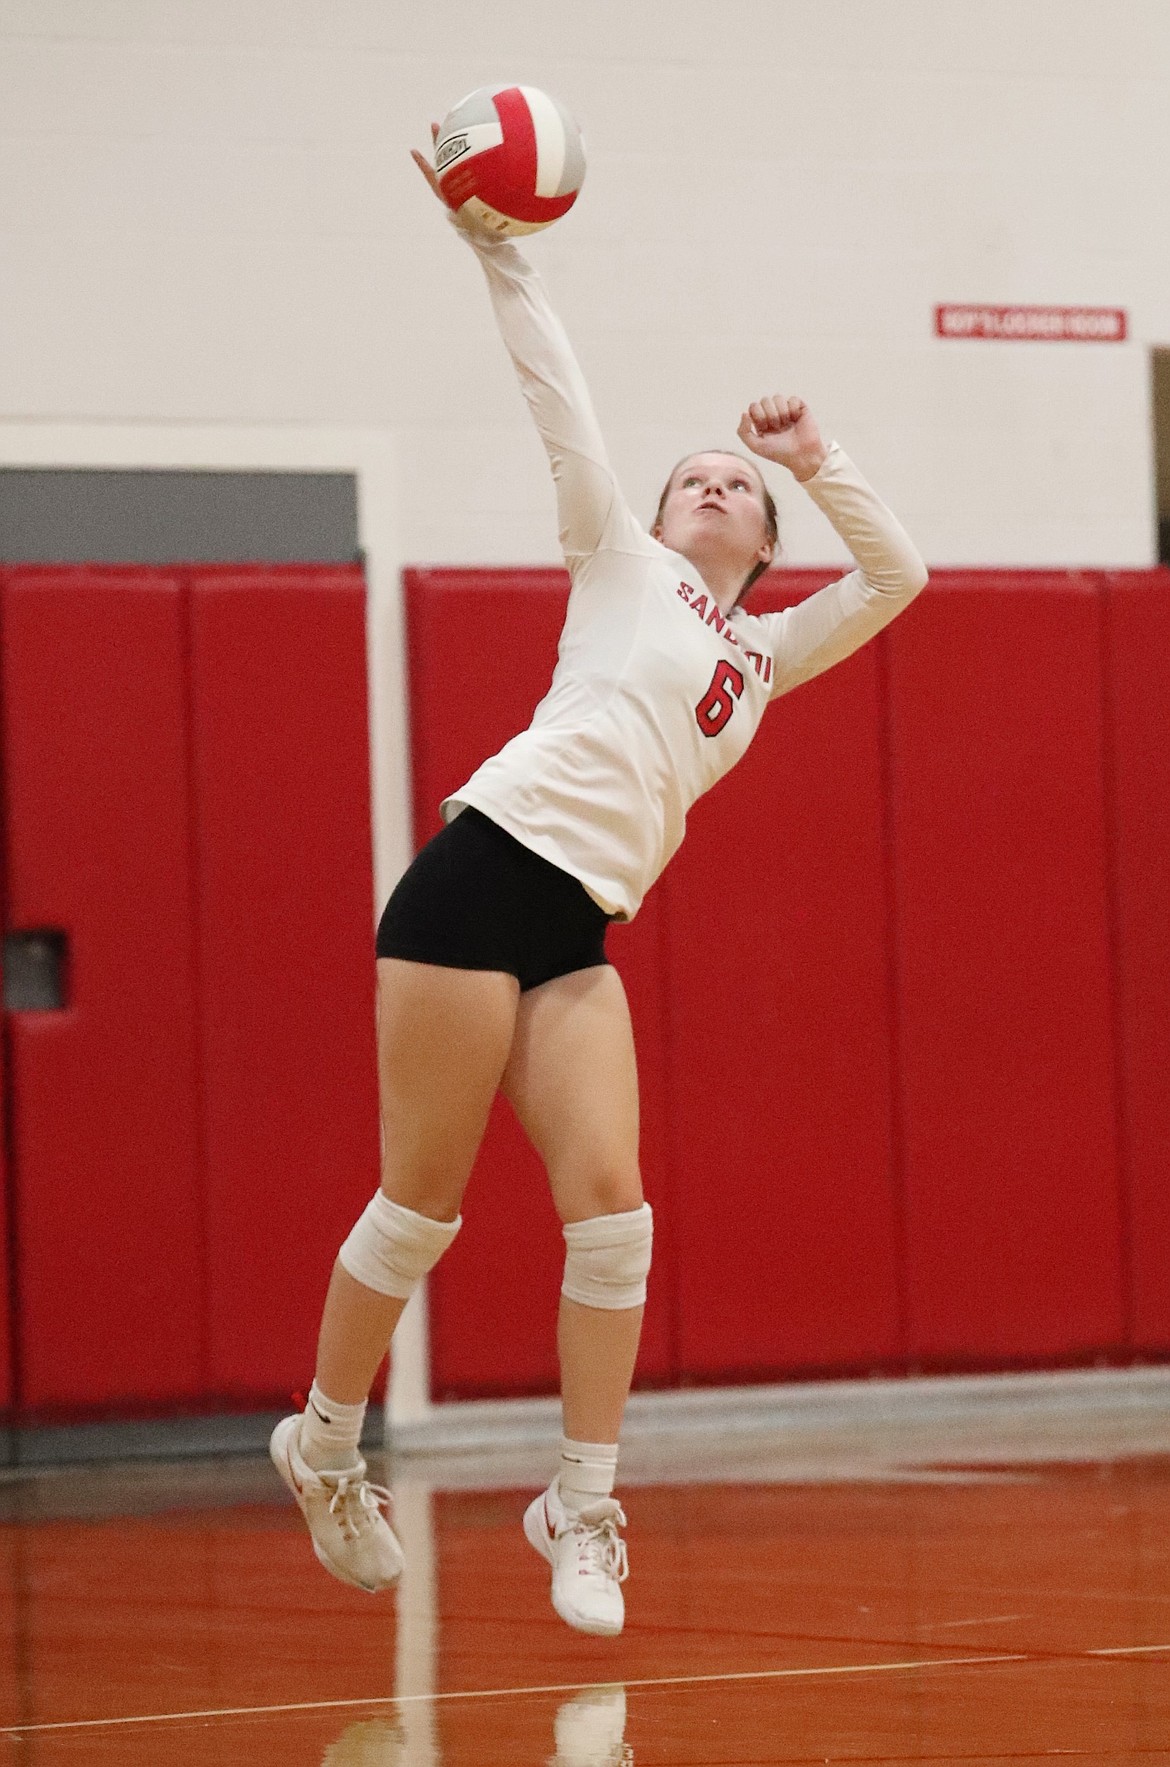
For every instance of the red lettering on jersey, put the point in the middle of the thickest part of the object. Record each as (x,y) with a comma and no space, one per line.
(710,616)
(718,703)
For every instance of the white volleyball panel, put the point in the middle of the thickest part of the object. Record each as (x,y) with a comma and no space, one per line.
(560,157)
(550,140)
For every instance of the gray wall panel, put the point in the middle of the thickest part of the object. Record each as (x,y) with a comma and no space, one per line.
(162,517)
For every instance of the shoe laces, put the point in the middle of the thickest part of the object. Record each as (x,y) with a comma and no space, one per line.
(601,1548)
(357,1504)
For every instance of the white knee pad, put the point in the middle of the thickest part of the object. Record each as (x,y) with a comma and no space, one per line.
(607,1259)
(391,1248)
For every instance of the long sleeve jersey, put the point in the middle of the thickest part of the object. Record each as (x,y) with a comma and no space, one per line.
(656,693)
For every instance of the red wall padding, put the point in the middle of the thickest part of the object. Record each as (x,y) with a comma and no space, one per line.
(7,1348)
(483,647)
(1139,659)
(281,777)
(778,987)
(103,1095)
(900,1000)
(187,795)
(1002,940)
(638,950)
(6,1247)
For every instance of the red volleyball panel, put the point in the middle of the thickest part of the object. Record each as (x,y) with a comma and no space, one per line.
(281,762)
(519,135)
(1003,941)
(104,1130)
(1139,680)
(780,1101)
(493,1297)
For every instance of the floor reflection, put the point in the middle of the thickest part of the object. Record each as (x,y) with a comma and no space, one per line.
(943,1612)
(588,1730)
(372,1742)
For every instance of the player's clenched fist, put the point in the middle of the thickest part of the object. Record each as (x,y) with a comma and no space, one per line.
(783,430)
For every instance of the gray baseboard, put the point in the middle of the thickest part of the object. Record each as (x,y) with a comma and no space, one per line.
(963,1403)
(168,1438)
(998,1399)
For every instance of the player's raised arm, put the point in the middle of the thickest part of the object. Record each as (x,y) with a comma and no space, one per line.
(838,619)
(590,507)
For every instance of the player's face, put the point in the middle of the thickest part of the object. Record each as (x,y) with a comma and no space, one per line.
(714,509)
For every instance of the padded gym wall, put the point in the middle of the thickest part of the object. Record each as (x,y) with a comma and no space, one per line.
(1003,947)
(902,1001)
(7,1249)
(195,1129)
(104,1132)
(779,1078)
(483,646)
(280,746)
(1139,756)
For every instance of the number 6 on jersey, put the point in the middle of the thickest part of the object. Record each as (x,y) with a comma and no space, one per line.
(718,703)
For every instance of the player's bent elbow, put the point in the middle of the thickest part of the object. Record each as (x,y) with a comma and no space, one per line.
(912,577)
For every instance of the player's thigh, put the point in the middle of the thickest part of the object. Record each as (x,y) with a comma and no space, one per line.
(443,1042)
(573,1082)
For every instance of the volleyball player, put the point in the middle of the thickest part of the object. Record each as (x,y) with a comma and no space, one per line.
(492,972)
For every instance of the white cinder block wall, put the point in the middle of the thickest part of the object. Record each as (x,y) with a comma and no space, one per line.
(208,217)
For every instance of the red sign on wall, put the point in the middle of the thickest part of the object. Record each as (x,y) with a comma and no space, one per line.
(1075,325)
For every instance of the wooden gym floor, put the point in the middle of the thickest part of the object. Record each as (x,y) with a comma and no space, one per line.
(960,1596)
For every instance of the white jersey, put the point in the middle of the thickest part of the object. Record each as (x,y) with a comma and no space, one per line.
(656,694)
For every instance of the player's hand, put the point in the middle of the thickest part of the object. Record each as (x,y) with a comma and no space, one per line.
(460,220)
(424,165)
(784,430)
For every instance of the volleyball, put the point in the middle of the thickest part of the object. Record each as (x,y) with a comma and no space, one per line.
(511,158)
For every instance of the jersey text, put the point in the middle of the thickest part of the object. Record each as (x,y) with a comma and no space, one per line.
(700,603)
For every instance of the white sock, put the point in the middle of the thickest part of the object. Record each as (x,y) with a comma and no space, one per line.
(330,1432)
(588,1472)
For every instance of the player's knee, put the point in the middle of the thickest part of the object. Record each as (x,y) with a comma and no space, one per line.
(601,1189)
(435,1186)
(607,1259)
(391,1248)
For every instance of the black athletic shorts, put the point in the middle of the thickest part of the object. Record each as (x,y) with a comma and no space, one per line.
(475,898)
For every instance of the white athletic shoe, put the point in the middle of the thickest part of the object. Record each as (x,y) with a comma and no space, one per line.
(351,1536)
(590,1730)
(588,1557)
